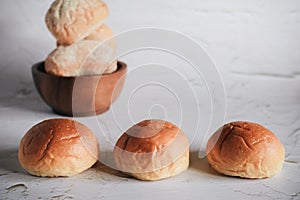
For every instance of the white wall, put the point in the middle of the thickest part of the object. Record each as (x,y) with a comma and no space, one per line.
(239,35)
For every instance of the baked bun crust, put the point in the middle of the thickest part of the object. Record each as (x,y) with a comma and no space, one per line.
(86,57)
(71,20)
(58,147)
(245,149)
(103,34)
(152,150)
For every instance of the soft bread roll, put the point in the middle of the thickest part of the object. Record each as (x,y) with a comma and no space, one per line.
(58,147)
(85,57)
(103,34)
(245,149)
(71,20)
(152,150)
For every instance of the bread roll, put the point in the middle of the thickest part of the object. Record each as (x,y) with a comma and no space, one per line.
(72,20)
(152,150)
(58,147)
(85,57)
(103,34)
(246,150)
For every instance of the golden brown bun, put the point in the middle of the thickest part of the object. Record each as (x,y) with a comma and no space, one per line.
(71,20)
(152,150)
(103,34)
(86,57)
(58,147)
(245,149)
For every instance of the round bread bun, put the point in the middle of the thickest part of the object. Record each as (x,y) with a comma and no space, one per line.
(152,150)
(103,34)
(245,149)
(58,147)
(86,57)
(72,20)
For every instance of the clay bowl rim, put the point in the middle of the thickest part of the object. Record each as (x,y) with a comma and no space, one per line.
(38,72)
(39,67)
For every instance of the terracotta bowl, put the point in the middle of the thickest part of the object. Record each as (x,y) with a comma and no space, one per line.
(79,96)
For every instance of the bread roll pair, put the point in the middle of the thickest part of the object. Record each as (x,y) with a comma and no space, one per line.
(85,45)
(150,150)
(155,149)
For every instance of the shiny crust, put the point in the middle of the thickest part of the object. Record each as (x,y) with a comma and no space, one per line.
(152,150)
(58,147)
(245,149)
(72,20)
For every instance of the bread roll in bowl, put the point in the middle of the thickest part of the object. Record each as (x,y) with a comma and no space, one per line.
(245,149)
(72,20)
(86,57)
(103,34)
(152,150)
(58,147)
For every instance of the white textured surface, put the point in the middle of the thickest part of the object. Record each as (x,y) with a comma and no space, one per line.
(255,45)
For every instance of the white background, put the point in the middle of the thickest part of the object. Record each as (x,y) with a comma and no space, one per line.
(255,46)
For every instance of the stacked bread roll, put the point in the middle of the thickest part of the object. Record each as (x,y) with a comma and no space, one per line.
(85,46)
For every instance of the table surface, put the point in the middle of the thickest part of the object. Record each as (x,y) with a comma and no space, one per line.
(151,90)
(23,109)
